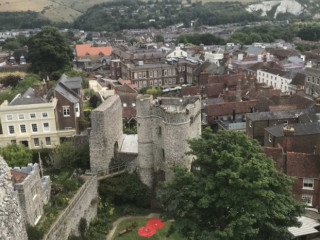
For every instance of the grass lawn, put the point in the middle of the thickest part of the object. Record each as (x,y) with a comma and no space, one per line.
(160,234)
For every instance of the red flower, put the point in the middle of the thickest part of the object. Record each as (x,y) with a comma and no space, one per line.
(146,231)
(155,223)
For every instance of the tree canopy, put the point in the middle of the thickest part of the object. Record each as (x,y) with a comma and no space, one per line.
(49,52)
(232,192)
(16,155)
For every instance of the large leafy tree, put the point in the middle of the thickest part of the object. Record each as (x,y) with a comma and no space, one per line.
(49,52)
(16,155)
(232,192)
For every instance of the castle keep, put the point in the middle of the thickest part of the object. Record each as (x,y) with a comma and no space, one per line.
(164,126)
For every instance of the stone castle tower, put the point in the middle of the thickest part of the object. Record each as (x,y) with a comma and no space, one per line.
(106,133)
(164,126)
(11,220)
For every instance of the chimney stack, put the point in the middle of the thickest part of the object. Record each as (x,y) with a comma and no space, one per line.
(288,135)
(37,90)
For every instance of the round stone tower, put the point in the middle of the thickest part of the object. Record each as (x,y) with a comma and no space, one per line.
(145,141)
(11,221)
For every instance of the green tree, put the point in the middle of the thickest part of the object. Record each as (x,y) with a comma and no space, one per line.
(158,38)
(16,155)
(49,52)
(232,192)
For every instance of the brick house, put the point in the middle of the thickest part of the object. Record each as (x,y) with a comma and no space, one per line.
(300,137)
(68,92)
(257,122)
(305,167)
(229,115)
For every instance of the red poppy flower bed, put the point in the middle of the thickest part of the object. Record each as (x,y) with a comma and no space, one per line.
(151,227)
(155,222)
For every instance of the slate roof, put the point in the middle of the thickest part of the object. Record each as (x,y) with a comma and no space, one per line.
(252,50)
(26,101)
(260,65)
(276,115)
(299,129)
(65,85)
(86,49)
(298,79)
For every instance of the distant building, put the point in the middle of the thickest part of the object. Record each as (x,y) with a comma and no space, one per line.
(312,82)
(33,191)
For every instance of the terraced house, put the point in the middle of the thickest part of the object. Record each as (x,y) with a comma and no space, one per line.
(40,120)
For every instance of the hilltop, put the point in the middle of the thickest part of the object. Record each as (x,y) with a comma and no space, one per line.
(62,10)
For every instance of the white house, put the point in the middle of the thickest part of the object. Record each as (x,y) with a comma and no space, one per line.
(214,57)
(278,79)
(177,52)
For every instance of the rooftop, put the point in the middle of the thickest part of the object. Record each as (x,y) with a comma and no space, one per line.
(276,115)
(299,129)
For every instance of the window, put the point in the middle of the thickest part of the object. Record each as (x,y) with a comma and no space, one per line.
(179,69)
(270,138)
(9,117)
(155,83)
(308,183)
(155,74)
(165,73)
(181,80)
(306,198)
(140,75)
(169,72)
(34,127)
(32,115)
(160,82)
(36,142)
(250,123)
(44,115)
(135,75)
(23,128)
(144,83)
(151,83)
(48,141)
(150,73)
(20,116)
(173,72)
(159,73)
(46,127)
(144,74)
(183,68)
(66,111)
(11,129)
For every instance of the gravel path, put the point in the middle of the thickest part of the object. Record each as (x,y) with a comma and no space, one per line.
(119,220)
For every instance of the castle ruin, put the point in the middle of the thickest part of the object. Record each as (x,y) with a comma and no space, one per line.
(164,126)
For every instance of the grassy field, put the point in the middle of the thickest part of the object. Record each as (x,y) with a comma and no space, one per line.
(65,10)
(160,234)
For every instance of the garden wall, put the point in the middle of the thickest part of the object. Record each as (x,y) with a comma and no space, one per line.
(82,205)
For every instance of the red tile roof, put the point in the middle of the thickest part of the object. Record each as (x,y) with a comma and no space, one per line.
(86,49)
(226,108)
(303,165)
(129,112)
(193,90)
(214,89)
(18,177)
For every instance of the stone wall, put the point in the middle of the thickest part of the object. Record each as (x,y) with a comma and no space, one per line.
(163,131)
(82,205)
(11,221)
(106,134)
(33,193)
